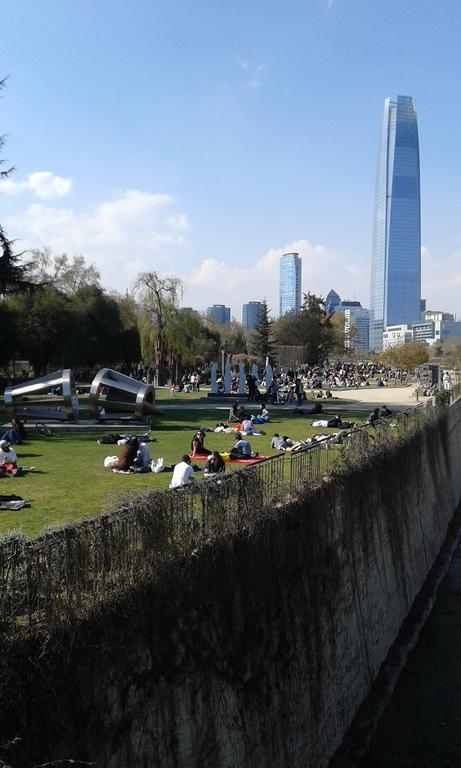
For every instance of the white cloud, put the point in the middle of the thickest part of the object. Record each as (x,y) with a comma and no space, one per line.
(441,280)
(43,184)
(136,231)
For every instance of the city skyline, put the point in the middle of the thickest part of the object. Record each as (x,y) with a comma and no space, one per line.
(178,137)
(395,294)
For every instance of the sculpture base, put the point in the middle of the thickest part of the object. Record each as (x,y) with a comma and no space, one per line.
(228,395)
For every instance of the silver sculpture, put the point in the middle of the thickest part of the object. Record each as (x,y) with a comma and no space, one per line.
(214,383)
(268,374)
(228,376)
(242,380)
(50,397)
(114,395)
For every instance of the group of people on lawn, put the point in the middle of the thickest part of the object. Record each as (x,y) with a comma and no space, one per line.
(135,454)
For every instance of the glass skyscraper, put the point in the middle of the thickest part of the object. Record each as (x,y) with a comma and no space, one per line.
(290,283)
(396,263)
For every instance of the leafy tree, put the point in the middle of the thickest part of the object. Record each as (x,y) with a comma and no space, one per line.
(97,328)
(44,322)
(261,342)
(65,274)
(159,303)
(407,355)
(207,344)
(311,328)
(232,337)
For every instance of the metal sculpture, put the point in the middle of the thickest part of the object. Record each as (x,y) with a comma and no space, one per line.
(50,397)
(214,383)
(114,395)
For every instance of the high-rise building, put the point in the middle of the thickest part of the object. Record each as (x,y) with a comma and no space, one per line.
(290,283)
(332,301)
(396,263)
(219,314)
(251,313)
(356,324)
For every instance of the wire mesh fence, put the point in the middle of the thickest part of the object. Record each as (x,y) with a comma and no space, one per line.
(67,572)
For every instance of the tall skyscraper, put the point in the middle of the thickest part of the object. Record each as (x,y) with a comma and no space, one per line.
(396,262)
(290,283)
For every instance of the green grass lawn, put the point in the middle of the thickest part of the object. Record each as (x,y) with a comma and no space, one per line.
(70,482)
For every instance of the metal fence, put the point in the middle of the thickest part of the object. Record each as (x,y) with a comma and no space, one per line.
(67,572)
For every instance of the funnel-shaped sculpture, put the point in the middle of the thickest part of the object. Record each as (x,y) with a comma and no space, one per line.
(50,397)
(113,395)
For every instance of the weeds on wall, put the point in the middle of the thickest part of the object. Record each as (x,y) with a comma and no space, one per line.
(70,572)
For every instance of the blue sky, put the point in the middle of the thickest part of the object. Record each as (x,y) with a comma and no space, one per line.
(204,138)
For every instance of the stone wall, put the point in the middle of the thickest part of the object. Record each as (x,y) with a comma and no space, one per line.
(257,651)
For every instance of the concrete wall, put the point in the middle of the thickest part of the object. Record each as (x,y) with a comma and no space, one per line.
(257,651)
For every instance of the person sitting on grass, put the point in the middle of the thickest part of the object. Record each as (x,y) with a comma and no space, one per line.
(373,417)
(17,434)
(182,472)
(385,412)
(241,448)
(215,464)
(237,413)
(127,455)
(197,445)
(8,458)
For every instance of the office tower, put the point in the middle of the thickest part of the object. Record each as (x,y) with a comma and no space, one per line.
(251,313)
(396,262)
(356,324)
(290,283)
(219,314)
(332,301)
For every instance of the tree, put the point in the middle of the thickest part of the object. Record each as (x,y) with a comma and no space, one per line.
(159,300)
(261,342)
(311,328)
(45,326)
(407,355)
(65,274)
(11,273)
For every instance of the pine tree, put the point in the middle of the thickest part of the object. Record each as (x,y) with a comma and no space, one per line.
(262,343)
(11,273)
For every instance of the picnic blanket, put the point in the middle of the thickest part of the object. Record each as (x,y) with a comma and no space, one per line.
(225,456)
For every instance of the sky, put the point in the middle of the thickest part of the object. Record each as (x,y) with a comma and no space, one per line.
(205,138)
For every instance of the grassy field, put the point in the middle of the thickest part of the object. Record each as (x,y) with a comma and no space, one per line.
(70,482)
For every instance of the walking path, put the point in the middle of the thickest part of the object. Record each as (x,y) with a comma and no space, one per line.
(421,726)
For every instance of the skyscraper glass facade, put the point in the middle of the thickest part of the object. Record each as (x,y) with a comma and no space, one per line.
(219,314)
(396,264)
(251,313)
(290,283)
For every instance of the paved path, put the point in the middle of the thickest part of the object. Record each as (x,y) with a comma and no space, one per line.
(421,727)
(396,398)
